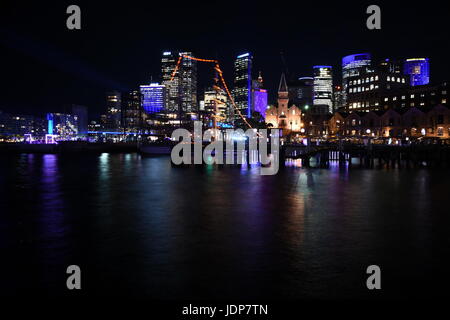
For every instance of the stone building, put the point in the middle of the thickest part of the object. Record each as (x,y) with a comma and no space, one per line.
(285,116)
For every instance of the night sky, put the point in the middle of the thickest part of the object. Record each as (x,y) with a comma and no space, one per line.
(45,66)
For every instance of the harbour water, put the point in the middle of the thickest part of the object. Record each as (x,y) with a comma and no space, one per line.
(139,227)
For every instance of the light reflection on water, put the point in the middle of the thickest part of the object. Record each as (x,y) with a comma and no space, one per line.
(140,225)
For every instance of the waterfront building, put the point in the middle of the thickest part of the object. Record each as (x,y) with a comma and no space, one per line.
(367,91)
(323,87)
(430,122)
(424,96)
(15,127)
(285,115)
(153,97)
(242,91)
(181,92)
(352,65)
(62,125)
(418,69)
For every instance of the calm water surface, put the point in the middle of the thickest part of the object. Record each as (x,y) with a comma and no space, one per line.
(137,226)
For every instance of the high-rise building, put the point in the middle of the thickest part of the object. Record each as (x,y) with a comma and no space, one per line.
(242,91)
(153,98)
(131,111)
(181,94)
(81,113)
(259,96)
(352,65)
(301,92)
(367,90)
(323,87)
(20,125)
(113,110)
(390,66)
(418,70)
(215,104)
(337,97)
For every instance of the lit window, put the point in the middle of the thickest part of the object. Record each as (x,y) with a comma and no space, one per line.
(386,99)
(412,96)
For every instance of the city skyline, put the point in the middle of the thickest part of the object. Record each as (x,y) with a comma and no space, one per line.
(99,58)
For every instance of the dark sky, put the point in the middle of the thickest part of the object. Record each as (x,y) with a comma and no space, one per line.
(44,65)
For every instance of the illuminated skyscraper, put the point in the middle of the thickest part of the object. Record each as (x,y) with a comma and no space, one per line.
(418,70)
(215,104)
(242,92)
(352,65)
(323,87)
(182,90)
(153,97)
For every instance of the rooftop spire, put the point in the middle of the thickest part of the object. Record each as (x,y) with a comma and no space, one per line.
(283,86)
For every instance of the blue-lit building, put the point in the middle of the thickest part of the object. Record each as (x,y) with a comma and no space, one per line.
(353,65)
(242,91)
(64,126)
(260,101)
(153,98)
(418,70)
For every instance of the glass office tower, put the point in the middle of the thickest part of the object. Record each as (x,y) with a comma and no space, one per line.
(323,86)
